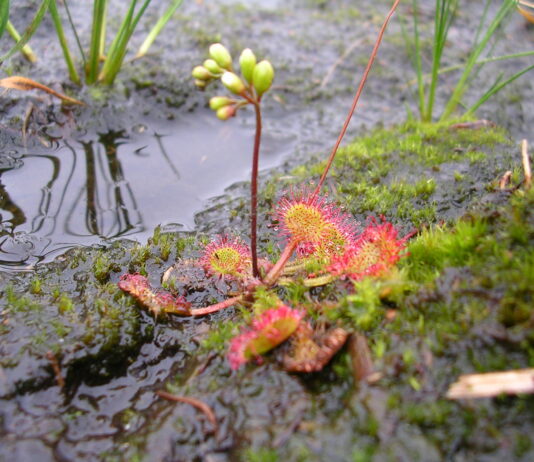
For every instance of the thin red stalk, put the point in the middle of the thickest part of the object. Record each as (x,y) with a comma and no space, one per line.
(254,191)
(280,264)
(356,98)
(217,307)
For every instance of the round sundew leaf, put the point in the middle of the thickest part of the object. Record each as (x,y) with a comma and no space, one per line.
(271,336)
(267,331)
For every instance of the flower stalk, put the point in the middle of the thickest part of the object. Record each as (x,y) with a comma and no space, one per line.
(257,79)
(254,192)
(356,98)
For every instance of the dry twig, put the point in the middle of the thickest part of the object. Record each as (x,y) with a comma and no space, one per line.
(17,82)
(362,363)
(526,164)
(474,125)
(492,384)
(505,180)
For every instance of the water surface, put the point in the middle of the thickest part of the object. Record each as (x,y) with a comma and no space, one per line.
(122,184)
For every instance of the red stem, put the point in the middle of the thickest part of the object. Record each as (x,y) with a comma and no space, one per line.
(254,192)
(279,265)
(356,98)
(217,307)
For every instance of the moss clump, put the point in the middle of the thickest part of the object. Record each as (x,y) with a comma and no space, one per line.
(103,266)
(415,173)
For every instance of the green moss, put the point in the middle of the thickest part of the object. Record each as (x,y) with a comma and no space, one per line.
(103,265)
(522,445)
(65,304)
(440,246)
(60,328)
(365,454)
(140,255)
(19,303)
(35,286)
(362,308)
(219,336)
(260,455)
(265,299)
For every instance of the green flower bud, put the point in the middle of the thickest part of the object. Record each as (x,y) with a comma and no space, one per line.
(201,73)
(224,113)
(201,84)
(218,102)
(262,77)
(213,67)
(221,56)
(247,61)
(233,83)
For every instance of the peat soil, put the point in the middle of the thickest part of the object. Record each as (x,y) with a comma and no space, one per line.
(80,362)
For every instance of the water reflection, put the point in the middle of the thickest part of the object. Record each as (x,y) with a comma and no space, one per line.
(121,184)
(106,198)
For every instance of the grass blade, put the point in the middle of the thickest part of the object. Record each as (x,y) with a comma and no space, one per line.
(117,51)
(4,16)
(30,30)
(99,15)
(482,21)
(76,36)
(149,40)
(73,74)
(445,11)
(462,84)
(495,88)
(26,49)
(493,59)
(118,47)
(418,60)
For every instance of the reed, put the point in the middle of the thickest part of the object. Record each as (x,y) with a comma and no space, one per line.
(101,62)
(21,40)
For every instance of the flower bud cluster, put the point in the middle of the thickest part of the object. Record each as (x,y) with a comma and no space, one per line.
(256,79)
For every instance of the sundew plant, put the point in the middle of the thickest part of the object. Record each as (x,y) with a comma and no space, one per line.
(322,243)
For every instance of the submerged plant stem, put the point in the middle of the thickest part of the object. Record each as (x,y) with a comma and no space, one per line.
(200,405)
(356,98)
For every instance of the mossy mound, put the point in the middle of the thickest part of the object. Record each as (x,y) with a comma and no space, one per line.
(460,302)
(418,173)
